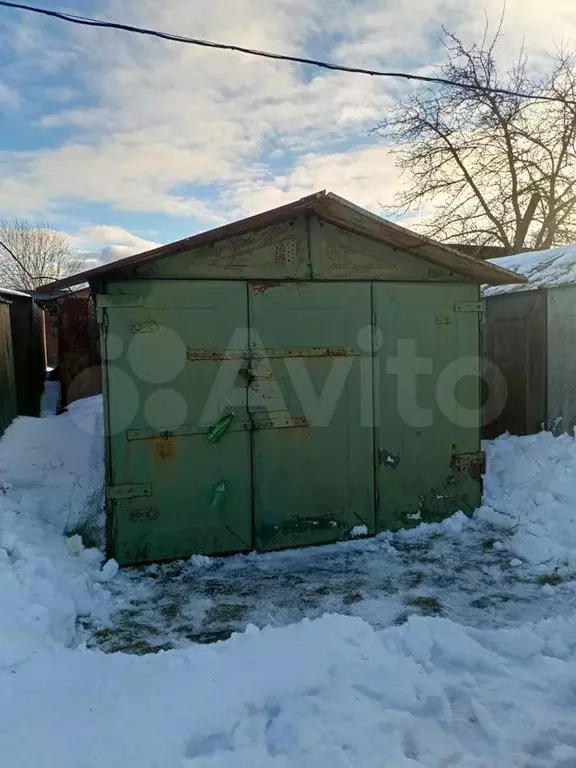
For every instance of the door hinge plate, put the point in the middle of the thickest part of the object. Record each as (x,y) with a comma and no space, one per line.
(472,463)
(110,301)
(470,306)
(128,491)
(145,327)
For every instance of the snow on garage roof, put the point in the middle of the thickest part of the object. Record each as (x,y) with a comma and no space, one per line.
(12,292)
(544,269)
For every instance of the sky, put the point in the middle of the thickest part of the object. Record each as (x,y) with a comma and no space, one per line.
(125,142)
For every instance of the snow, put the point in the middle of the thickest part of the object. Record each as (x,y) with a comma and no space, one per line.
(328,693)
(50,398)
(531,488)
(338,691)
(544,269)
(201,561)
(13,292)
(50,483)
(359,530)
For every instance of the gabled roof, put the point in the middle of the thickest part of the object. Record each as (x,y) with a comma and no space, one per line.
(334,209)
(542,269)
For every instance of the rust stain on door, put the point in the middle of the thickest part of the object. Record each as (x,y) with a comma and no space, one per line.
(163,448)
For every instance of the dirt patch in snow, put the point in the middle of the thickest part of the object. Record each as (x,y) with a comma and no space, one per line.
(453,570)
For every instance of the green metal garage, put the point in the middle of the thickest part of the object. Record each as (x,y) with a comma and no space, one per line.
(294,378)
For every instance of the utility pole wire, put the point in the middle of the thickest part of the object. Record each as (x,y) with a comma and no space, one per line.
(25,269)
(91,22)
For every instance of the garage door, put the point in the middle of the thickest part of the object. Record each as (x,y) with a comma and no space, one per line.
(310,400)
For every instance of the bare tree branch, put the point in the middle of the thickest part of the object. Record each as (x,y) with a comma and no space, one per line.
(42,254)
(497,170)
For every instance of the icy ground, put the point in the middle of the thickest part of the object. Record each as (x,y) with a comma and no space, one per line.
(459,650)
(453,570)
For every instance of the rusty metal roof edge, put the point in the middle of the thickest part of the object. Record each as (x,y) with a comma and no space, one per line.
(329,205)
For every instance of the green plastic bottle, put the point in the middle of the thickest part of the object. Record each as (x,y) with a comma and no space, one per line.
(218,494)
(219,429)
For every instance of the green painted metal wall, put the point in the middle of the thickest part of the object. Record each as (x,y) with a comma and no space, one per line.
(303,249)
(261,412)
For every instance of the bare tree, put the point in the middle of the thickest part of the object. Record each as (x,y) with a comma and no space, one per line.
(42,254)
(496,169)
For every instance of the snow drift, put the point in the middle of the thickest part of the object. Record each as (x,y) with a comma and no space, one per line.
(530,489)
(51,476)
(333,692)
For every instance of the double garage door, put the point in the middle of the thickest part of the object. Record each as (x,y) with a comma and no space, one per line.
(243,415)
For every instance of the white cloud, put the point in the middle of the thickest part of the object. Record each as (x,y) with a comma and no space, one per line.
(110,235)
(167,115)
(9,97)
(100,244)
(368,177)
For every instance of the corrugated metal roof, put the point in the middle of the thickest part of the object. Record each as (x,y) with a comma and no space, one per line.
(332,208)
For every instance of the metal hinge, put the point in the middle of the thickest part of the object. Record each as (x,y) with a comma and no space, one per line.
(472,463)
(470,306)
(128,491)
(102,318)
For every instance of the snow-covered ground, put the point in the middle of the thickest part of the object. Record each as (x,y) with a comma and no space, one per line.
(378,687)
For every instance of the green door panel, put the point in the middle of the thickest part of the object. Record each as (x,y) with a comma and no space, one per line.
(167,344)
(310,399)
(427,396)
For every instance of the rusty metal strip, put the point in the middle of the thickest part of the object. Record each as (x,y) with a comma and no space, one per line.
(279,352)
(216,354)
(154,434)
(270,353)
(125,300)
(282,421)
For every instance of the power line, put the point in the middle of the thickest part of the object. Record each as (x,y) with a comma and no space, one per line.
(91,22)
(25,269)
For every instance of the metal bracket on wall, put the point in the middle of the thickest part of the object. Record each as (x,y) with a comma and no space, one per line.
(470,306)
(261,353)
(272,421)
(472,463)
(128,491)
(109,301)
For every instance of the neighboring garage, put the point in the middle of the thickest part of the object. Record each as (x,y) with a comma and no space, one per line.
(530,338)
(259,388)
(8,407)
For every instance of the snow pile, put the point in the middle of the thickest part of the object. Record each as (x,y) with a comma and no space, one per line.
(530,489)
(331,693)
(328,693)
(51,476)
(544,269)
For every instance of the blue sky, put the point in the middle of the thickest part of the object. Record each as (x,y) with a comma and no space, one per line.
(124,142)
